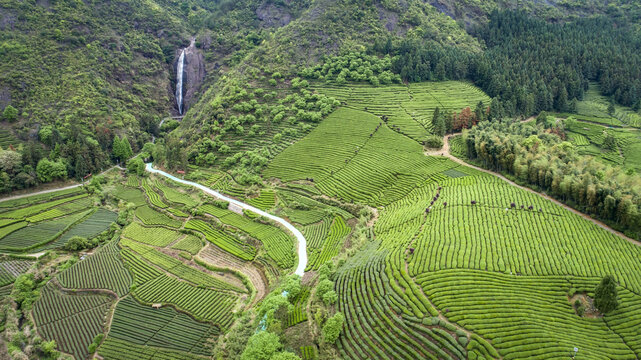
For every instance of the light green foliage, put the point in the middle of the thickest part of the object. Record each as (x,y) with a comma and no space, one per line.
(156,236)
(149,216)
(262,346)
(333,327)
(10,114)
(48,170)
(320,253)
(192,244)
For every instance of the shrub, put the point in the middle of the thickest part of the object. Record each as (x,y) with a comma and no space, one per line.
(434,142)
(333,328)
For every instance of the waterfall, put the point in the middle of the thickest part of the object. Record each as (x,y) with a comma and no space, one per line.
(179,82)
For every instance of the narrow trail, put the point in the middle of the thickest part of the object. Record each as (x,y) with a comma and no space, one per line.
(445,151)
(302,243)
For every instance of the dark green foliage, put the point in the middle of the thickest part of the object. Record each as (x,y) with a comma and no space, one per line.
(136,166)
(77,243)
(522,66)
(605,295)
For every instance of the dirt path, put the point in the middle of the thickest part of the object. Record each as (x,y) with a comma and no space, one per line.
(445,151)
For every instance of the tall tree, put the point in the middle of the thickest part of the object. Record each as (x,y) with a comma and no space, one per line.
(605,295)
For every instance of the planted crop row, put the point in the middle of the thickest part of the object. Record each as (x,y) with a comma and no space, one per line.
(38,234)
(347,163)
(380,323)
(176,267)
(45,197)
(156,236)
(134,196)
(279,245)
(165,327)
(174,195)
(71,320)
(548,325)
(265,201)
(152,195)
(203,304)
(11,269)
(35,209)
(149,216)
(62,210)
(115,349)
(329,246)
(299,314)
(88,228)
(191,244)
(223,240)
(102,270)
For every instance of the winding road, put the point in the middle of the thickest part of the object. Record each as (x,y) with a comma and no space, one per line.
(302,243)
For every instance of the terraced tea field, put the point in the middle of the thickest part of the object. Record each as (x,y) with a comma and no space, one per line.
(409,108)
(454,270)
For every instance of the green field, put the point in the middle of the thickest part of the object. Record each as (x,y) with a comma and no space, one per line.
(446,237)
(409,108)
(102,270)
(346,163)
(72,320)
(164,327)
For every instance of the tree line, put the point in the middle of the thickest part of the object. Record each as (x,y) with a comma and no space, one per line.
(537,156)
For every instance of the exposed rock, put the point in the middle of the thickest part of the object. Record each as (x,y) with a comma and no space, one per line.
(272,15)
(194,74)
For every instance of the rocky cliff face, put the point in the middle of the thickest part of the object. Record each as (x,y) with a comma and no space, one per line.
(194,74)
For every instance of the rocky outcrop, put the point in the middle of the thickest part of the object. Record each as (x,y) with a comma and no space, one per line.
(194,74)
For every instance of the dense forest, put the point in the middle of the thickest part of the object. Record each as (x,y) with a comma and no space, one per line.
(531,65)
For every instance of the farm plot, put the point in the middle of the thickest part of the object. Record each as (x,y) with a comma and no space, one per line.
(154,198)
(127,194)
(177,268)
(156,236)
(114,349)
(88,228)
(34,199)
(409,109)
(164,327)
(66,208)
(305,211)
(149,216)
(154,287)
(548,325)
(11,269)
(72,320)
(191,244)
(265,201)
(346,162)
(384,321)
(102,270)
(323,248)
(223,240)
(175,196)
(40,234)
(279,245)
(300,308)
(38,208)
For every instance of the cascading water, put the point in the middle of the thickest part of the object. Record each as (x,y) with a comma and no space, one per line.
(179,82)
